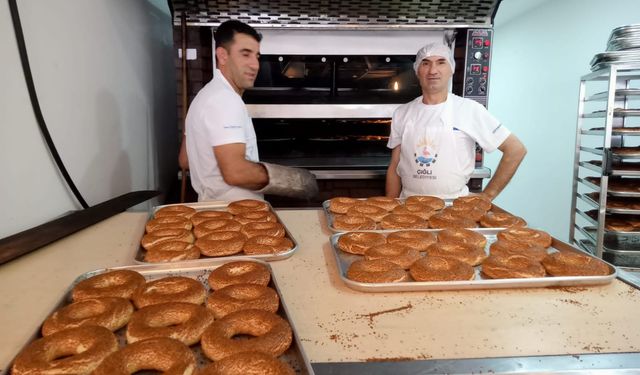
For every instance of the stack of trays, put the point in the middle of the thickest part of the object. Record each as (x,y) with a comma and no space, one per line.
(623,48)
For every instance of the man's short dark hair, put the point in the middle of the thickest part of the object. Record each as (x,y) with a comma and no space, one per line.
(228,29)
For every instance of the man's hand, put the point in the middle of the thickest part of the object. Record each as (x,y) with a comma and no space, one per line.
(513,151)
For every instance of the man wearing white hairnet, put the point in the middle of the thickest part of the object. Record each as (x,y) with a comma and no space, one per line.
(433,137)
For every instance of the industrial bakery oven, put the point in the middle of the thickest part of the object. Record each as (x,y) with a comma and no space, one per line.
(331,76)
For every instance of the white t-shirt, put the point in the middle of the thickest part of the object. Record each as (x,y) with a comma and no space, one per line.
(438,144)
(217,116)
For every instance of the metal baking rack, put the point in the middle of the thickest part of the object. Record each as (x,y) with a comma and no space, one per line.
(603,151)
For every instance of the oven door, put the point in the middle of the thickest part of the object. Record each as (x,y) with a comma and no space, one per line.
(334,80)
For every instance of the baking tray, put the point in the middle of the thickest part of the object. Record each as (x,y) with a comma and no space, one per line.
(613,210)
(612,188)
(627,241)
(344,260)
(448,202)
(220,206)
(621,258)
(294,356)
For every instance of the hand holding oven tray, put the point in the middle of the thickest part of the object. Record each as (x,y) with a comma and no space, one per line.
(294,356)
(238,225)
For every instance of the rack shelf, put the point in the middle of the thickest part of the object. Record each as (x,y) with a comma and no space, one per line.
(614,158)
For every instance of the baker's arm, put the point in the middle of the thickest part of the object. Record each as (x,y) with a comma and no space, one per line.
(513,151)
(237,170)
(393,185)
(183,159)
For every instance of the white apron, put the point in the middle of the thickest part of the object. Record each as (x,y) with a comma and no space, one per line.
(430,159)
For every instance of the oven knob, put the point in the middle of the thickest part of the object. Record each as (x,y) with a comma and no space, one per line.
(469,81)
(469,89)
(477,55)
(483,81)
(482,89)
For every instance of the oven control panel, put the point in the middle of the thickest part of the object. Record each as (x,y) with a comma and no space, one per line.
(477,65)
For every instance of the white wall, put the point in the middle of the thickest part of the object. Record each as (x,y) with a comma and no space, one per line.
(539,55)
(105,77)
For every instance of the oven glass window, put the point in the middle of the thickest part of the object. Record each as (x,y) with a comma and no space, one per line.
(292,80)
(376,79)
(334,80)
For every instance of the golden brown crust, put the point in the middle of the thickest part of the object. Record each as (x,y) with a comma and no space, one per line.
(83,348)
(467,253)
(520,234)
(514,266)
(241,272)
(465,211)
(399,221)
(340,205)
(245,205)
(501,220)
(168,222)
(238,297)
(423,210)
(373,212)
(256,216)
(385,203)
(359,242)
(166,234)
(202,216)
(462,235)
(263,229)
(171,251)
(216,225)
(267,245)
(111,313)
(165,355)
(505,248)
(170,289)
(346,222)
(566,263)
(271,334)
(432,268)
(177,320)
(477,201)
(447,220)
(415,239)
(401,255)
(434,202)
(217,244)
(376,271)
(176,210)
(119,283)
(248,363)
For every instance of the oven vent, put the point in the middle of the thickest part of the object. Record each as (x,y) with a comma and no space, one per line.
(341,14)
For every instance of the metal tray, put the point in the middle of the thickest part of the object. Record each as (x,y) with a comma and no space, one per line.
(448,202)
(294,356)
(344,260)
(220,206)
(594,183)
(621,258)
(627,241)
(613,210)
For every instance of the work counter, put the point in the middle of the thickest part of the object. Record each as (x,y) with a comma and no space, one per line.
(346,331)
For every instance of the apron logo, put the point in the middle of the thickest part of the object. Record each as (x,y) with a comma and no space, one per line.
(425,154)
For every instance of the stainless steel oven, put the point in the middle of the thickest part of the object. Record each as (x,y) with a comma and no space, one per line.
(332,73)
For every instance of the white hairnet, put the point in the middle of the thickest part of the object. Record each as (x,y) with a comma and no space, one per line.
(435,49)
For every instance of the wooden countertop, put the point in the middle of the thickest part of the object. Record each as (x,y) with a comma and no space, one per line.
(338,324)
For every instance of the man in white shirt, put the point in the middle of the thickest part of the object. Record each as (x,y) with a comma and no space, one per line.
(433,137)
(220,139)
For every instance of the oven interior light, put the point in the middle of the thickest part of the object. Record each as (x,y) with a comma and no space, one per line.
(395,86)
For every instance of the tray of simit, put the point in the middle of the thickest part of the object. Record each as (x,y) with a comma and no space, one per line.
(292,357)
